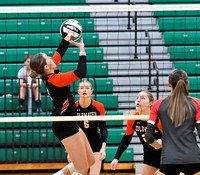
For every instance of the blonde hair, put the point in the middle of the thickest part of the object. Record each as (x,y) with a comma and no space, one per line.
(85,81)
(179,106)
(150,96)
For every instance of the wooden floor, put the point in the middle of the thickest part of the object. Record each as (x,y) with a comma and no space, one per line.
(51,168)
(50,173)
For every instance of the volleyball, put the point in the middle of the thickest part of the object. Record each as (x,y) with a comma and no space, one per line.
(71,30)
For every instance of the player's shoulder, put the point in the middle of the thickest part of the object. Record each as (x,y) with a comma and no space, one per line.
(131,122)
(96,103)
(196,99)
(159,101)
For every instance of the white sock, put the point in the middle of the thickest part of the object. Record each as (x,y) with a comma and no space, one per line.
(71,168)
(59,173)
(75,173)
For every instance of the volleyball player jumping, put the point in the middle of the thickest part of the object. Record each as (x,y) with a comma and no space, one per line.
(57,85)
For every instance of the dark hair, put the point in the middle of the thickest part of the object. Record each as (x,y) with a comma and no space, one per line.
(37,65)
(179,105)
(28,56)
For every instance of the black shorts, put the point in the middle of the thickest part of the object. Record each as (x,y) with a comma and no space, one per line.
(96,147)
(175,169)
(152,160)
(63,130)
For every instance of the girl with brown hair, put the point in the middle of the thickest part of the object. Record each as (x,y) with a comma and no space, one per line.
(57,85)
(179,114)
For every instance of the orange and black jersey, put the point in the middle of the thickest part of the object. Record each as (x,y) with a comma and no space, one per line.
(91,128)
(57,84)
(140,127)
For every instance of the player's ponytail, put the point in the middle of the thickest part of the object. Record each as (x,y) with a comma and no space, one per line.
(37,65)
(179,105)
(33,74)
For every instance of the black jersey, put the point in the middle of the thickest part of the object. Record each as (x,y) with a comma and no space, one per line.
(179,144)
(140,127)
(151,155)
(57,85)
(91,128)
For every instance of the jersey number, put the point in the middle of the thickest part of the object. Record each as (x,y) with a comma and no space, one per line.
(86,124)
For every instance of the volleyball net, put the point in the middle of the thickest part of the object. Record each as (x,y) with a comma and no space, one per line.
(130,48)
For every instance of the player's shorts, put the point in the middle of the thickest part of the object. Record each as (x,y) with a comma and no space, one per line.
(96,147)
(151,160)
(63,130)
(175,169)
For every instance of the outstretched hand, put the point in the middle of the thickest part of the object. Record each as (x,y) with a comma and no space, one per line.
(80,44)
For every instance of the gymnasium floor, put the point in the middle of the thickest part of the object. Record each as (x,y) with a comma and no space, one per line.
(50,173)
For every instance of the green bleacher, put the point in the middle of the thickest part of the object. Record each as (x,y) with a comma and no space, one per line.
(28,137)
(57,154)
(93,69)
(194,83)
(42,39)
(32,155)
(127,156)
(196,95)
(115,135)
(40,25)
(174,1)
(176,13)
(63,15)
(191,67)
(41,2)
(105,85)
(184,52)
(181,36)
(102,85)
(179,23)
(16,54)
(43,136)
(10,102)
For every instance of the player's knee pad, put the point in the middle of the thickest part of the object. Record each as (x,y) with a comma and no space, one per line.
(75,173)
(70,166)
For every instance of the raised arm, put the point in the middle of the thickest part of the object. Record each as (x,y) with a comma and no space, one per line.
(81,68)
(63,79)
(62,48)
